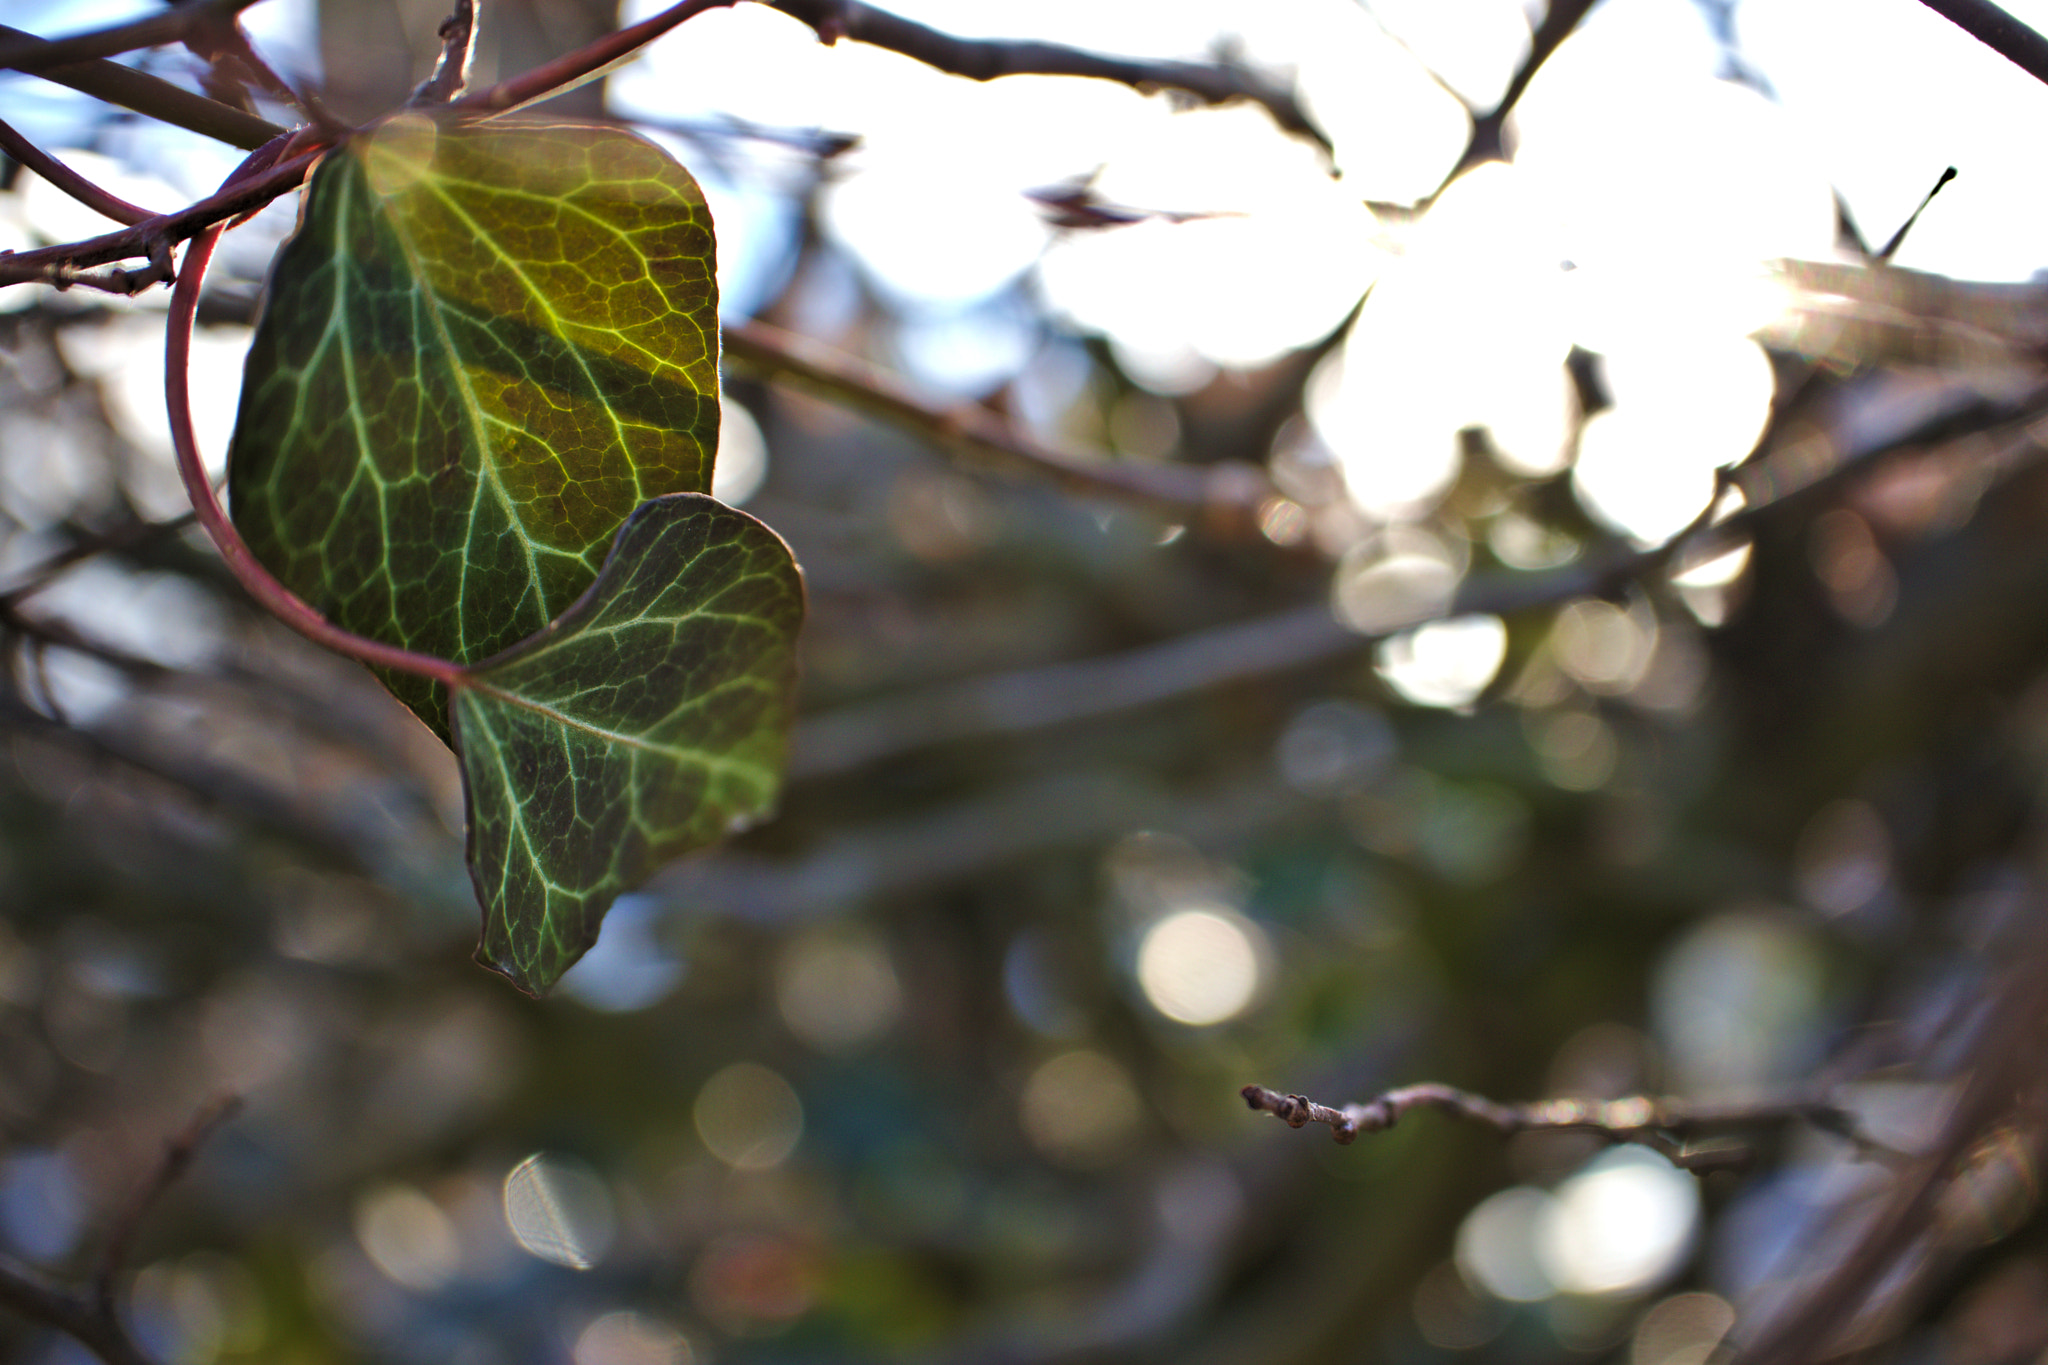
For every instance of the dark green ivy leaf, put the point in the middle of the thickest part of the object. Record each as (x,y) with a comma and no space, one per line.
(486,345)
(649,720)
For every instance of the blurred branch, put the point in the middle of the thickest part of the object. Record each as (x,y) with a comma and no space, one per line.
(1660,1124)
(141,92)
(2002,1085)
(70,181)
(94,1320)
(256,806)
(1487,142)
(2017,42)
(33,1297)
(179,1150)
(1223,498)
(126,536)
(987,59)
(1056,694)
(1025,700)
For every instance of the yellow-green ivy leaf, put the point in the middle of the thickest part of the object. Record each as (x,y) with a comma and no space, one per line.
(487,343)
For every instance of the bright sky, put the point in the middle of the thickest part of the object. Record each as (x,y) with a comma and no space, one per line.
(1646,193)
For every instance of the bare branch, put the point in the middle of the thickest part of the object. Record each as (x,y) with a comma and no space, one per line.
(585,64)
(985,60)
(2018,43)
(64,265)
(1661,1124)
(147,94)
(2002,1083)
(1219,498)
(1898,239)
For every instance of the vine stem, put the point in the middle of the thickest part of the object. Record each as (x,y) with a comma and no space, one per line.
(274,596)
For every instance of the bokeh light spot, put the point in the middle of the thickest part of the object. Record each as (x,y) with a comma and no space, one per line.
(1496,1246)
(1200,966)
(1620,1225)
(837,989)
(1682,1330)
(628,1338)
(559,1210)
(405,1235)
(749,1117)
(1080,1109)
(1445,663)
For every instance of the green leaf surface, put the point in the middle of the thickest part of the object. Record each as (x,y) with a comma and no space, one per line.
(651,719)
(485,346)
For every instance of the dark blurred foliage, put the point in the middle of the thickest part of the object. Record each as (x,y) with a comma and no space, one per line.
(881,1080)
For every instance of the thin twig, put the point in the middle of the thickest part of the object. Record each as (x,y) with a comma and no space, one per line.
(1661,1124)
(1220,498)
(151,95)
(981,60)
(70,181)
(1898,239)
(2018,43)
(179,1150)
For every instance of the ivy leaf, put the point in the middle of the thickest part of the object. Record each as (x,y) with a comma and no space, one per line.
(487,343)
(650,719)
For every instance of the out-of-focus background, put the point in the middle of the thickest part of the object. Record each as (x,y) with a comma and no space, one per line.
(1095,816)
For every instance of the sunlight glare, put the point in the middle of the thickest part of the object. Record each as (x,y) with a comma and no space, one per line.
(1465,330)
(1647,465)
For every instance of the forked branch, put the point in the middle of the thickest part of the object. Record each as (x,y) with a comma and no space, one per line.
(93,1318)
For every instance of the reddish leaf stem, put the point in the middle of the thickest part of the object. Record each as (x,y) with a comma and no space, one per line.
(275,597)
